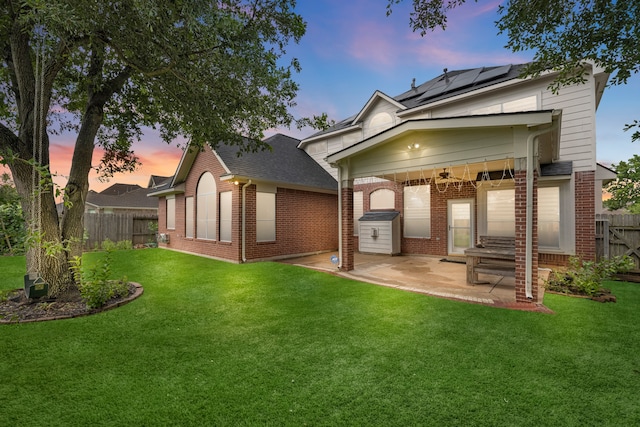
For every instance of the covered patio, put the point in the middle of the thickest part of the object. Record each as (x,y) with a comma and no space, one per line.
(435,276)
(468,151)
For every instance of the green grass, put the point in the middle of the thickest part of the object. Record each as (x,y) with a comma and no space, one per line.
(211,343)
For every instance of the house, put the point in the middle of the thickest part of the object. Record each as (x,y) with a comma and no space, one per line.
(156,181)
(121,198)
(604,176)
(470,153)
(264,205)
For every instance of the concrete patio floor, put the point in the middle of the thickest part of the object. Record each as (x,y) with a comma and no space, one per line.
(426,274)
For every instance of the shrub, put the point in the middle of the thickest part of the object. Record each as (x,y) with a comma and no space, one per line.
(108,245)
(585,277)
(124,244)
(13,232)
(96,288)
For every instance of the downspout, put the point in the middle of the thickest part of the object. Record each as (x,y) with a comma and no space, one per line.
(528,285)
(339,217)
(244,220)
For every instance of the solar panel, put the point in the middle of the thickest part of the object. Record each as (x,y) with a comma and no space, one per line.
(435,90)
(464,79)
(493,73)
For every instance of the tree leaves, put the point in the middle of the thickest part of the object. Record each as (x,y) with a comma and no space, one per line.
(625,190)
(561,33)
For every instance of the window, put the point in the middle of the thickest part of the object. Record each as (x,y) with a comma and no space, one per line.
(206,207)
(225,216)
(501,220)
(188,217)
(171,212)
(382,199)
(378,123)
(417,211)
(265,217)
(501,212)
(358,211)
(549,217)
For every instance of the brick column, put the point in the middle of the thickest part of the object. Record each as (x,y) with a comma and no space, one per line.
(348,241)
(521,237)
(585,215)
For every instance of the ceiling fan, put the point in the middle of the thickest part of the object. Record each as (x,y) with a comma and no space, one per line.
(445,176)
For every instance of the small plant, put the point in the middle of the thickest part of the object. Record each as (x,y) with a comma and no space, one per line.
(124,244)
(96,288)
(585,277)
(152,241)
(108,245)
(4,295)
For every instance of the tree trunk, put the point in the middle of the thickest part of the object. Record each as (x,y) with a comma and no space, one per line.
(62,235)
(52,267)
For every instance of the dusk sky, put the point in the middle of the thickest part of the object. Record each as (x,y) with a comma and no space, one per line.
(351,49)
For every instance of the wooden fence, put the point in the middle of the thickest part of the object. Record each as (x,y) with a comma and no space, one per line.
(618,234)
(119,226)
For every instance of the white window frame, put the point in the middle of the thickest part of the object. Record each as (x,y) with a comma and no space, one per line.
(188,217)
(382,199)
(171,212)
(206,207)
(417,211)
(265,217)
(358,210)
(567,218)
(511,213)
(226,215)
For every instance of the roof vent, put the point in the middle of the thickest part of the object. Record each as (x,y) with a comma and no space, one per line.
(413,83)
(446,76)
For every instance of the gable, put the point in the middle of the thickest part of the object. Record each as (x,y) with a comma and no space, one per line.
(380,116)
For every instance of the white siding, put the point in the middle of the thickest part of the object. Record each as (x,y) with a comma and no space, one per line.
(387,240)
(372,124)
(577,140)
(438,148)
(577,102)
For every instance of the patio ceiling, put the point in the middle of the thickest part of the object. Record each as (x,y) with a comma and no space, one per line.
(421,150)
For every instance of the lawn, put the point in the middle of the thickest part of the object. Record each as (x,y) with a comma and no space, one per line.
(211,343)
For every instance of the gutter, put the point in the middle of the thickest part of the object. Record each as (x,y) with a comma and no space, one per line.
(339,218)
(244,220)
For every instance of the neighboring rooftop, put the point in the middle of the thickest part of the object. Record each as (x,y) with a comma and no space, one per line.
(117,189)
(156,181)
(136,199)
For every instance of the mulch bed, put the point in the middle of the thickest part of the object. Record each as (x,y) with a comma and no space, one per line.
(17,308)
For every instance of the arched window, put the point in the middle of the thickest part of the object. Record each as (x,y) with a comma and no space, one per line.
(206,207)
(382,198)
(378,123)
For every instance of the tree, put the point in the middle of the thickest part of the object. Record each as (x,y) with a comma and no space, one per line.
(12,230)
(211,71)
(561,33)
(625,190)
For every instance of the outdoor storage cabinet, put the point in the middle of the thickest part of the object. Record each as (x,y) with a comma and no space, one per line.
(379,233)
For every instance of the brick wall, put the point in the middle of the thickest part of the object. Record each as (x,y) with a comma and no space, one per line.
(305,221)
(348,239)
(521,221)
(437,244)
(585,215)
